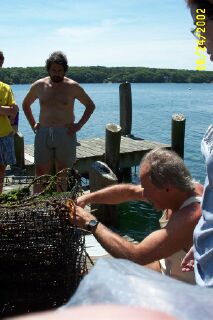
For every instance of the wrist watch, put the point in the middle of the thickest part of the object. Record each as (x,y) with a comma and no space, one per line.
(91,225)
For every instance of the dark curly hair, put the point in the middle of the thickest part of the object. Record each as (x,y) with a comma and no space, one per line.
(57,57)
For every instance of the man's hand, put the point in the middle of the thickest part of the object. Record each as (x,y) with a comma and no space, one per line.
(73,128)
(81,201)
(36,126)
(188,261)
(80,217)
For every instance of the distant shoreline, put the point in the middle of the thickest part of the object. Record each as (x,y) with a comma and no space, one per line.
(99,74)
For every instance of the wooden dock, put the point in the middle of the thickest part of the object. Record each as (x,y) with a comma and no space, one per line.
(131,152)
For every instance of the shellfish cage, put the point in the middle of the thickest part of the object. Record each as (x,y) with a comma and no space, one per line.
(42,256)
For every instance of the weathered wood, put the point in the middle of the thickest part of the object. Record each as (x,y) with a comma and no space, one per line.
(112,146)
(19,150)
(101,176)
(125,121)
(178,134)
(125,108)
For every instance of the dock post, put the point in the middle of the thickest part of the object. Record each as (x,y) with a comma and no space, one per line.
(101,176)
(125,108)
(112,146)
(126,119)
(178,134)
(19,150)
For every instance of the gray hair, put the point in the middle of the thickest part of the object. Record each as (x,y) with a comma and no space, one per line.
(166,167)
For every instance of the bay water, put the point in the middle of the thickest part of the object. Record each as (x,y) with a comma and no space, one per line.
(153,107)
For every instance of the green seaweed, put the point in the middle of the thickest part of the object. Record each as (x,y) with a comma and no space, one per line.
(23,196)
(14,195)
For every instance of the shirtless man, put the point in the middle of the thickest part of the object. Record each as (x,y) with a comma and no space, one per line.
(55,139)
(167,184)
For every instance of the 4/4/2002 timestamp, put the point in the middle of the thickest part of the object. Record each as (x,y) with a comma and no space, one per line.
(199,33)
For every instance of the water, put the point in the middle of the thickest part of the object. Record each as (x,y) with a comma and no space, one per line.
(153,106)
(137,219)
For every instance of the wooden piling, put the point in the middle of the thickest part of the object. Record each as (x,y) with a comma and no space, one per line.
(101,176)
(112,146)
(19,150)
(178,134)
(125,108)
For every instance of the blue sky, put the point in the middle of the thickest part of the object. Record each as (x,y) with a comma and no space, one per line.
(149,33)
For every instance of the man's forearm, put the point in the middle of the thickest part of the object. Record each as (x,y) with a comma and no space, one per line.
(87,113)
(150,249)
(28,113)
(113,195)
(114,244)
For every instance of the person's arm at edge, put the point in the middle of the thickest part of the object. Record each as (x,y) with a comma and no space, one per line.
(28,101)
(113,195)
(9,110)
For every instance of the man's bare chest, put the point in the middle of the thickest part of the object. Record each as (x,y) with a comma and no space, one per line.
(56,96)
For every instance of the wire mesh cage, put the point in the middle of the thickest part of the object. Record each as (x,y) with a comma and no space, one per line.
(42,256)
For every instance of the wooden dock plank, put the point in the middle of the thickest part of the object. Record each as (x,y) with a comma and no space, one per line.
(90,150)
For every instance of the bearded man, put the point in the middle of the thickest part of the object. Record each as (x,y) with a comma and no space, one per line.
(55,133)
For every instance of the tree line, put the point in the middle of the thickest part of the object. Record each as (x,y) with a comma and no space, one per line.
(99,74)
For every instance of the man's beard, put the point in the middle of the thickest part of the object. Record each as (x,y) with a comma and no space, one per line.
(56,79)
